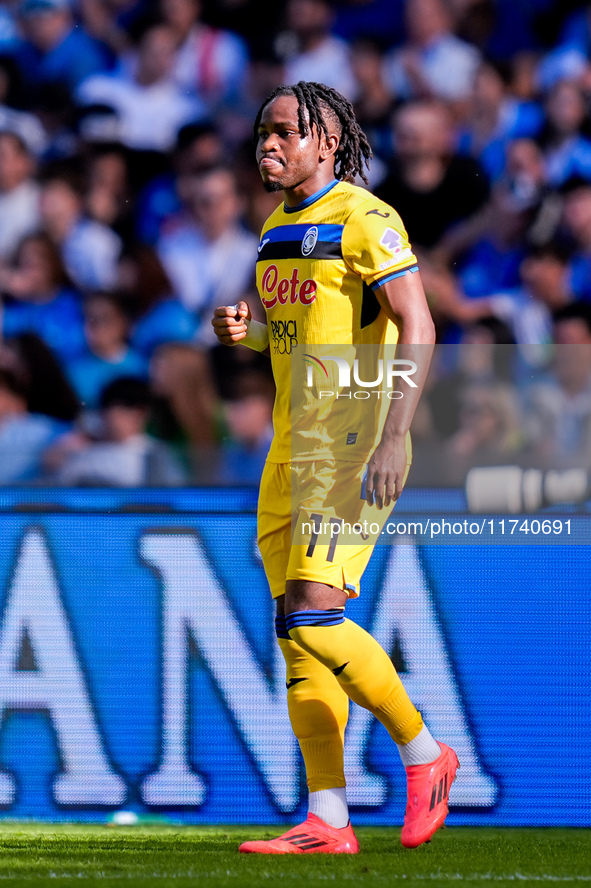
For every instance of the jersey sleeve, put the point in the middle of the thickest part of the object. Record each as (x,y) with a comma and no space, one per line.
(375,243)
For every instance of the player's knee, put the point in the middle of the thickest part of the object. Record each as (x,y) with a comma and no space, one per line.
(313,644)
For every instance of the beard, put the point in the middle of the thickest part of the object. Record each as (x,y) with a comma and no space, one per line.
(272,187)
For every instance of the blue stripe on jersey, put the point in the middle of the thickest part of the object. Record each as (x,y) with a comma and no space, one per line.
(331,617)
(327,233)
(390,277)
(312,199)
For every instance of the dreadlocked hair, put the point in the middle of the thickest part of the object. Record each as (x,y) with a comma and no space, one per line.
(321,101)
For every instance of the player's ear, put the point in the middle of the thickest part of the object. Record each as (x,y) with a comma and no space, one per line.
(328,145)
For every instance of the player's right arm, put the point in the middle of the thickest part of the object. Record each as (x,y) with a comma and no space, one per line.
(234,323)
(230,323)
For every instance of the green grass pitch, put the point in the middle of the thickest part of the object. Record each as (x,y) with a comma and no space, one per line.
(143,856)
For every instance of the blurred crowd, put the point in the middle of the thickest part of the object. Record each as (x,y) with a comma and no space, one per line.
(130,207)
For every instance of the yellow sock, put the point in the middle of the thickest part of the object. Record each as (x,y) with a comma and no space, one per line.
(362,667)
(318,711)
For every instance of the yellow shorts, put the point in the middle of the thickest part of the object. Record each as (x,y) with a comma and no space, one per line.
(313,524)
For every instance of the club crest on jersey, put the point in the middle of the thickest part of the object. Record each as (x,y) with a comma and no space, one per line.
(309,240)
(391,240)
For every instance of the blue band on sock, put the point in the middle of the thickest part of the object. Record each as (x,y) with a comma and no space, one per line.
(331,617)
(280,627)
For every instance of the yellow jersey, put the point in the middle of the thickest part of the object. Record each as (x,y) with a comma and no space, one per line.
(318,266)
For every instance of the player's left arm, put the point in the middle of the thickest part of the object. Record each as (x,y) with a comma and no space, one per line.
(376,247)
(404,302)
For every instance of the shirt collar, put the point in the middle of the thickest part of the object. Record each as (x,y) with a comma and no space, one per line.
(312,199)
